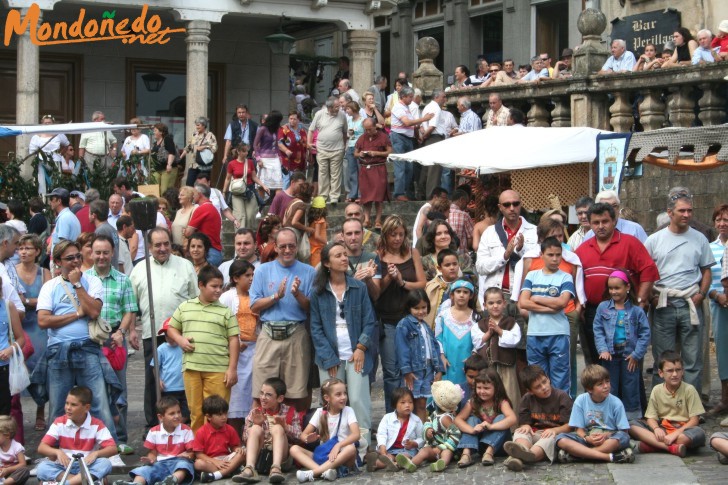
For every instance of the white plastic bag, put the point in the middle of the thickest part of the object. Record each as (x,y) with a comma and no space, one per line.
(19,377)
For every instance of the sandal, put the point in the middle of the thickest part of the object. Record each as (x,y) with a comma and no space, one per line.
(40,424)
(250,477)
(275,475)
(487,459)
(378,226)
(465,461)
(389,465)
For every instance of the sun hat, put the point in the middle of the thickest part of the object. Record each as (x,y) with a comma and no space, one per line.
(447,396)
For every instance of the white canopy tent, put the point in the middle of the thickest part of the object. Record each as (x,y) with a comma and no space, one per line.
(504,148)
(66,128)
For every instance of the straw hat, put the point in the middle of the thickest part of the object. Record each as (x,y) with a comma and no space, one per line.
(447,396)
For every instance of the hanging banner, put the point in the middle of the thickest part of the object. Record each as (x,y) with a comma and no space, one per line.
(612,156)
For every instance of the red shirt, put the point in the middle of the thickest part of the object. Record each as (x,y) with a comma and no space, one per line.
(400,436)
(216,442)
(82,216)
(721,42)
(624,252)
(206,219)
(236,168)
(509,233)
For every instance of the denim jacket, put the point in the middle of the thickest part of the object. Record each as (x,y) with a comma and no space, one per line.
(411,347)
(360,319)
(636,327)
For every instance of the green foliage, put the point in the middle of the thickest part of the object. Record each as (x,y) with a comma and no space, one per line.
(14,186)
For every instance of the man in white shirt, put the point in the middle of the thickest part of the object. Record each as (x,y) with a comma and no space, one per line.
(244,249)
(98,145)
(345,88)
(431,132)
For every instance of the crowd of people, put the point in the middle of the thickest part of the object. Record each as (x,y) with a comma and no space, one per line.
(476,336)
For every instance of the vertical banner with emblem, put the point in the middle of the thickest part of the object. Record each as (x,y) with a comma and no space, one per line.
(612,156)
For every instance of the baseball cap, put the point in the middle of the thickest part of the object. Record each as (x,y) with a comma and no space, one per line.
(59,192)
(165,326)
(78,194)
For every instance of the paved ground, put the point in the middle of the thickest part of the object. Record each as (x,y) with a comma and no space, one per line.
(700,467)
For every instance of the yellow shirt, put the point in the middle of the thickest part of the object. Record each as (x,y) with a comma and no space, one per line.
(681,406)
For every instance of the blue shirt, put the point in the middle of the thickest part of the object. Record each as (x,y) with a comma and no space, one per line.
(170,367)
(533,75)
(67,226)
(625,62)
(620,334)
(608,415)
(552,286)
(702,54)
(716,270)
(5,329)
(268,277)
(625,227)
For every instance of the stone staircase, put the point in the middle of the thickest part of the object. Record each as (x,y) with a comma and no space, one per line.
(335,218)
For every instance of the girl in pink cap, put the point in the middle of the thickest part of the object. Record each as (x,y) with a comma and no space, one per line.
(621,335)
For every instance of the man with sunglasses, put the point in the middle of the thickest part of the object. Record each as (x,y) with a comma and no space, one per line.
(503,244)
(280,295)
(65,306)
(683,257)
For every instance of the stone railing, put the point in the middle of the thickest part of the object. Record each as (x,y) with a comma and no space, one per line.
(679,97)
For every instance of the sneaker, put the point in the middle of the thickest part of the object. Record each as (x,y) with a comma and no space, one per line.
(643,447)
(169,480)
(117,461)
(564,457)
(722,459)
(329,475)
(124,449)
(438,466)
(122,482)
(624,456)
(205,477)
(304,476)
(517,450)
(405,463)
(513,464)
(48,483)
(131,351)
(678,450)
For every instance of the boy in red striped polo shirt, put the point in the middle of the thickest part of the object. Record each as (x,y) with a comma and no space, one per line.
(170,454)
(76,432)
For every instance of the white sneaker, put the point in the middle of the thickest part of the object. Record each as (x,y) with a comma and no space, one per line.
(117,461)
(330,475)
(258,215)
(305,476)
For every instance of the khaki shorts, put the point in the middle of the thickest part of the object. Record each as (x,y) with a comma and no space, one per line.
(548,445)
(288,359)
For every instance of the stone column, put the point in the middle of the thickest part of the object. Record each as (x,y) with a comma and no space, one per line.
(591,55)
(621,110)
(198,39)
(363,46)
(402,42)
(427,77)
(652,110)
(457,35)
(681,106)
(561,114)
(712,104)
(27,97)
(538,115)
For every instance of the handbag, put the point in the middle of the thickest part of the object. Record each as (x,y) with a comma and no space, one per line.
(322,451)
(264,461)
(205,156)
(239,186)
(19,378)
(98,328)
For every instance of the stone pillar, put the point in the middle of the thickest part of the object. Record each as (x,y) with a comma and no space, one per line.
(680,106)
(198,39)
(457,35)
(621,110)
(538,115)
(652,110)
(363,46)
(712,104)
(427,77)
(27,97)
(561,114)
(591,55)
(401,42)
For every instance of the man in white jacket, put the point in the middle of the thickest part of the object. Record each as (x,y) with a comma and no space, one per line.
(503,244)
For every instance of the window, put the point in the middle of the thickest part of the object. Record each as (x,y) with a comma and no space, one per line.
(428,8)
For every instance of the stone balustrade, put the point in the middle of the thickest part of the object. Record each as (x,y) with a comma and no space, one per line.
(679,97)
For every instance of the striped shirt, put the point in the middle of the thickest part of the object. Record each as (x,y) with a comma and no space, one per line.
(169,445)
(210,326)
(400,112)
(716,271)
(71,438)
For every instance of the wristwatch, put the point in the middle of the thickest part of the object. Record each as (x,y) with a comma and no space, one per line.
(78,285)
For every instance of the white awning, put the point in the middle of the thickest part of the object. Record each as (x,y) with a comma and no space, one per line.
(66,129)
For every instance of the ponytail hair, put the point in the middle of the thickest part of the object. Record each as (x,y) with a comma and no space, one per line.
(323,424)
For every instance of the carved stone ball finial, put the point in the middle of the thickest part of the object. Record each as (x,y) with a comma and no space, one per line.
(591,22)
(427,48)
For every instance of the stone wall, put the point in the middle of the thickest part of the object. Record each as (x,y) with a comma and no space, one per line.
(647,195)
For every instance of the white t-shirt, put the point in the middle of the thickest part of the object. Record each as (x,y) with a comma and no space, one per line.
(347,418)
(218,200)
(342,331)
(140,144)
(53,297)
(10,457)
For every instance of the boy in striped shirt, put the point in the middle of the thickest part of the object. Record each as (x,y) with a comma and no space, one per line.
(76,432)
(207,332)
(170,454)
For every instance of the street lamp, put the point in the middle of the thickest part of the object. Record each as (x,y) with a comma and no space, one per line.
(153,82)
(280,42)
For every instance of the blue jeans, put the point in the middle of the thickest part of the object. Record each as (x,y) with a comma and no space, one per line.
(214,257)
(84,370)
(403,172)
(621,436)
(390,366)
(488,438)
(668,325)
(119,408)
(551,352)
(624,384)
(162,469)
(49,471)
(352,173)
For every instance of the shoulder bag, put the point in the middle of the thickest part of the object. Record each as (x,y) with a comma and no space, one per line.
(321,453)
(98,328)
(239,186)
(19,377)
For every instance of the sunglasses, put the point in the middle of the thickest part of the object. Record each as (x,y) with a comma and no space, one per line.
(508,205)
(681,195)
(494,70)
(286,246)
(73,257)
(341,309)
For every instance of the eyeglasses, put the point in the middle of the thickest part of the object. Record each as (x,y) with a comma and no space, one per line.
(341,309)
(544,58)
(508,205)
(286,246)
(72,257)
(494,70)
